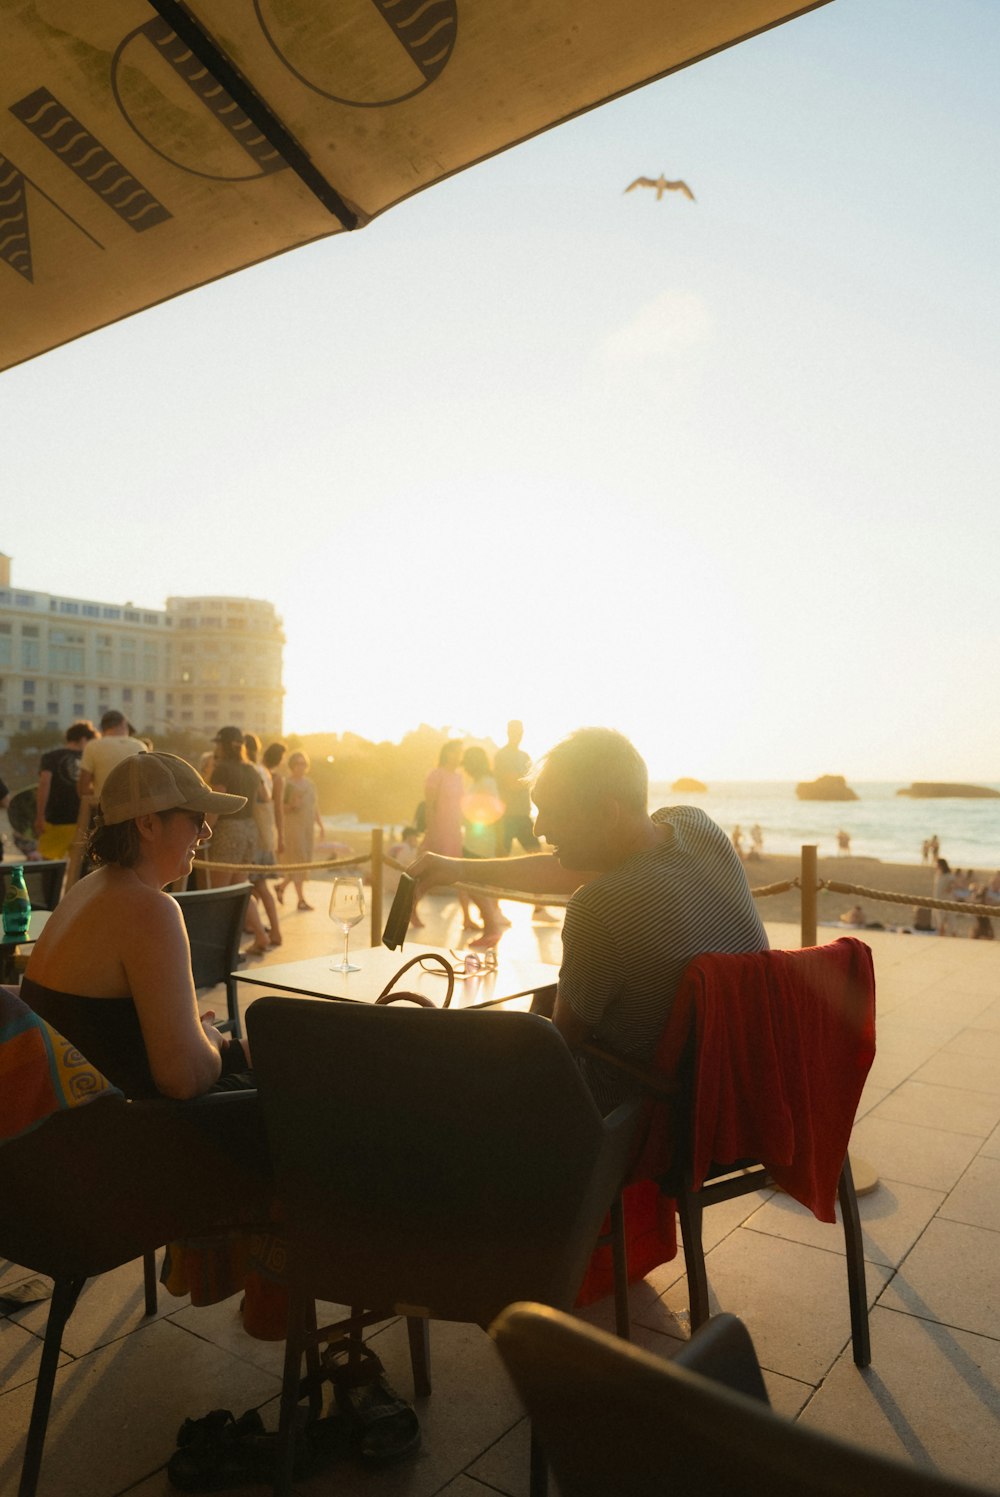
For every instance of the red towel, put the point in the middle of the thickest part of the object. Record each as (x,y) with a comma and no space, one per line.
(782,1083)
(783,1043)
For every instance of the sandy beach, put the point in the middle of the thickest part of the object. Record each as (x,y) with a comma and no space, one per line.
(871,873)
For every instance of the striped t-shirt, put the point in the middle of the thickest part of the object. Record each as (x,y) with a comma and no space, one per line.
(630,933)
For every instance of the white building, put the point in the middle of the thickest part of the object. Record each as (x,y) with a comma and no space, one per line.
(195,665)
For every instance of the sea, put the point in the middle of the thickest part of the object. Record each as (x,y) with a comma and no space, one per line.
(880,823)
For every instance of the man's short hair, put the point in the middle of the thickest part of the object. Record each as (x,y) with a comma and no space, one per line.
(111,719)
(598,764)
(83,729)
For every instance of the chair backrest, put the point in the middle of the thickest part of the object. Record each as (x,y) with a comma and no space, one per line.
(214,920)
(432,1158)
(43,881)
(613,1418)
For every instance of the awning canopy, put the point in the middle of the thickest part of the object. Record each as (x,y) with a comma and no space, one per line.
(147,148)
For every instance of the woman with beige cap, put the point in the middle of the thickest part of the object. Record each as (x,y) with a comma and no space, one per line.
(111,971)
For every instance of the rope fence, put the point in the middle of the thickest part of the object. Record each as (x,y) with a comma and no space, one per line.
(377,860)
(807,882)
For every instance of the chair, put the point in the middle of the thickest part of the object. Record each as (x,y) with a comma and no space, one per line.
(614,1419)
(99,1185)
(430,1162)
(214,920)
(43,880)
(800,1002)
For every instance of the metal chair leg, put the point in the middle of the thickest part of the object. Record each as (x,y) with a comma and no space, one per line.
(857,1288)
(691,1211)
(300,1308)
(418,1333)
(64,1297)
(538,1481)
(149,1281)
(619,1259)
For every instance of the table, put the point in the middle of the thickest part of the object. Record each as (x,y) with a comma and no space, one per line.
(10,944)
(525,985)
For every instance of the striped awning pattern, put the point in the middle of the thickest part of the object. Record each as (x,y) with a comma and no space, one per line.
(150,146)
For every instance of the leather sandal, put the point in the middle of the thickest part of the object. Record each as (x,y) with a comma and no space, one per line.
(385,1426)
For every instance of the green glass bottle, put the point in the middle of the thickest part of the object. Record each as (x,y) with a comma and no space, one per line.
(16,904)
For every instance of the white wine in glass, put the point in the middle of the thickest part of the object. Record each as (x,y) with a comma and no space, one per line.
(347,907)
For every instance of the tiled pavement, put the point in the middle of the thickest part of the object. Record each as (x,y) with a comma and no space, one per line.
(930,1124)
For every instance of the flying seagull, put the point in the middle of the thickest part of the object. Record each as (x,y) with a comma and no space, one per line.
(662,185)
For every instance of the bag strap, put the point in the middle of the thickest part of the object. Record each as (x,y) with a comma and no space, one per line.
(431,956)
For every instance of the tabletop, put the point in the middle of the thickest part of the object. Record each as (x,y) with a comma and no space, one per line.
(514,983)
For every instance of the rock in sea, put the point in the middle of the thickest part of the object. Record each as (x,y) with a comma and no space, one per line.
(941,790)
(686,785)
(827,787)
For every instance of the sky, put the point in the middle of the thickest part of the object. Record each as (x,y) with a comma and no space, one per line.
(720,474)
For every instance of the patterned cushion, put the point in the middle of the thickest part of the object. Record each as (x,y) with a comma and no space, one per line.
(40,1072)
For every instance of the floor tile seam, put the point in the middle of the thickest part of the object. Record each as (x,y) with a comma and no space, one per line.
(949,1086)
(946,1325)
(930,1127)
(207,1340)
(467,1469)
(957,1183)
(133,1330)
(836,1252)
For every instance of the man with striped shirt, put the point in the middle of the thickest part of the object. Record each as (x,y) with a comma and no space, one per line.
(649,894)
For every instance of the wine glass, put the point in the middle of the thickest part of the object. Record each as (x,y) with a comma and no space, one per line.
(347,907)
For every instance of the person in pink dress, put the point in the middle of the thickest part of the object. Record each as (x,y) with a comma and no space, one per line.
(443,792)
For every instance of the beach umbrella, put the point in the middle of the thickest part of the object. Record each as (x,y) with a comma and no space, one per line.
(150,146)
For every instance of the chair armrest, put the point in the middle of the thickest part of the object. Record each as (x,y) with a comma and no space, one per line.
(652,1082)
(195,1106)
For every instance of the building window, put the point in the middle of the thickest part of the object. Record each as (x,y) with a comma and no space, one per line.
(127,694)
(132,616)
(24,600)
(29,631)
(91,610)
(151,618)
(66,607)
(78,709)
(187,717)
(103,693)
(26,725)
(52,707)
(28,687)
(31,654)
(111,613)
(150,697)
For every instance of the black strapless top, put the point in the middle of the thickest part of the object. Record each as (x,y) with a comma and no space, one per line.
(106,1031)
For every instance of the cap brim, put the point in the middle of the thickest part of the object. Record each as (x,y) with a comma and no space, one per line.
(214,802)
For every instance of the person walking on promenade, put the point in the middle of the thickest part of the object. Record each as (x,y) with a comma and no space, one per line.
(273,761)
(944,883)
(265,853)
(482,810)
(301,819)
(511,765)
(443,791)
(57,799)
(104,751)
(235,840)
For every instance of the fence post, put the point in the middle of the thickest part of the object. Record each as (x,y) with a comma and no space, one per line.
(378,879)
(808,880)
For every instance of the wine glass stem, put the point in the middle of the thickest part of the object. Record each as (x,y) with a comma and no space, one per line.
(347,942)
